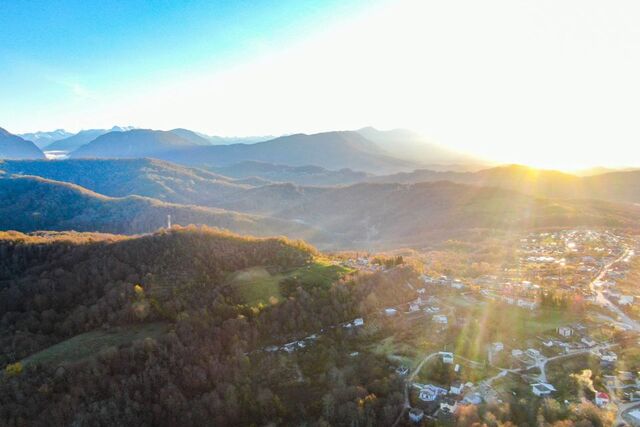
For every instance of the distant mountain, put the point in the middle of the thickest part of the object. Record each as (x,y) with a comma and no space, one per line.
(125,177)
(133,143)
(194,137)
(42,139)
(301,175)
(331,150)
(410,145)
(32,203)
(14,147)
(227,140)
(83,137)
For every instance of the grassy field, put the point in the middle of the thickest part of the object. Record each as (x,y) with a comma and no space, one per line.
(257,285)
(91,343)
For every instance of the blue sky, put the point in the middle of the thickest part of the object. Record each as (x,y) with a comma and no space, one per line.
(55,54)
(552,83)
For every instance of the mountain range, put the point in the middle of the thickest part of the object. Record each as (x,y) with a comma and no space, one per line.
(43,139)
(15,147)
(135,195)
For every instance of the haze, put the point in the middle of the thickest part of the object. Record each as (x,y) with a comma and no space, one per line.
(547,83)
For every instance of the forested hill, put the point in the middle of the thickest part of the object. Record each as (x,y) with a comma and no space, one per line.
(154,330)
(32,203)
(55,285)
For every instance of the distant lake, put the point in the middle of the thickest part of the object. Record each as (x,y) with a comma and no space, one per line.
(56,154)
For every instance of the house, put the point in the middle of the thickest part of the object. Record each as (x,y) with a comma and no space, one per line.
(448,406)
(456,387)
(608,356)
(527,304)
(414,307)
(358,322)
(588,342)
(472,399)
(542,389)
(497,347)
(441,319)
(625,300)
(416,415)
(602,399)
(516,352)
(447,357)
(402,370)
(431,392)
(547,343)
(390,311)
(533,353)
(565,331)
(635,416)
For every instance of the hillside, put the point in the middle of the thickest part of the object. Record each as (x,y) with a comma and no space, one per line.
(301,175)
(331,150)
(133,143)
(14,147)
(32,203)
(125,177)
(368,215)
(614,186)
(164,319)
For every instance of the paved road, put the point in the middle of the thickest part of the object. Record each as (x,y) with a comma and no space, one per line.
(600,298)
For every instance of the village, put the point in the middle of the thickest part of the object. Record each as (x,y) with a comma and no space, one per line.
(554,325)
(573,270)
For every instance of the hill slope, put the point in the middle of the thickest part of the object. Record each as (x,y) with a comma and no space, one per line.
(125,177)
(409,145)
(14,147)
(396,214)
(301,175)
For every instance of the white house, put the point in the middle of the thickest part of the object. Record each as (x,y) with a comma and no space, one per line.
(447,357)
(542,389)
(431,392)
(358,322)
(416,415)
(456,387)
(516,352)
(414,307)
(390,311)
(565,331)
(441,319)
(533,353)
(608,356)
(588,342)
(625,300)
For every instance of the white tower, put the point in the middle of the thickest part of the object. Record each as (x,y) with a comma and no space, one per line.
(169,221)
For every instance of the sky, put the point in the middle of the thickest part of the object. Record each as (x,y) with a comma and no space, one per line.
(550,83)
